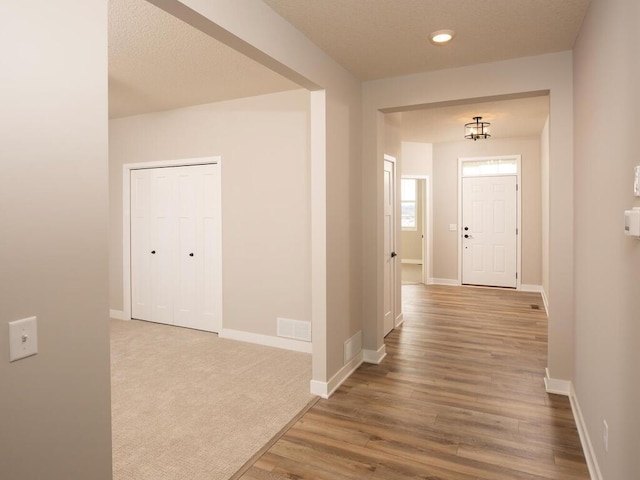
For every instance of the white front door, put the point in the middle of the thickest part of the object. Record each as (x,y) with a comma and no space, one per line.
(175,246)
(489,236)
(389,246)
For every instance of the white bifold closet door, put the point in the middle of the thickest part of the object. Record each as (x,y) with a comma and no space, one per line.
(176,270)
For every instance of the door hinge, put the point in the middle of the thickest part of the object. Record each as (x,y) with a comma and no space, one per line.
(517,187)
(516,275)
(516,230)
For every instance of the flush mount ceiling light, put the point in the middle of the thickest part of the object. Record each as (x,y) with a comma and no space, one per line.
(441,37)
(476,129)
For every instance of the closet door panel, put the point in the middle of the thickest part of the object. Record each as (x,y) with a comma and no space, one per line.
(140,244)
(163,244)
(210,238)
(185,306)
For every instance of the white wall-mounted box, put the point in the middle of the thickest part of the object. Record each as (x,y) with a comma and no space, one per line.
(632,222)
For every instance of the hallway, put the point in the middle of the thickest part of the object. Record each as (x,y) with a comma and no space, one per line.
(460,396)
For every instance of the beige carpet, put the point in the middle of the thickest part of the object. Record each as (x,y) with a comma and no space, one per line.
(189,405)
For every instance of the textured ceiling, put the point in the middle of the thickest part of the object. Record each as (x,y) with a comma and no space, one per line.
(522,117)
(157,62)
(383,38)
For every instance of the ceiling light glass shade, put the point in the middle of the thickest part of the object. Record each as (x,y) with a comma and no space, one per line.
(441,37)
(477,129)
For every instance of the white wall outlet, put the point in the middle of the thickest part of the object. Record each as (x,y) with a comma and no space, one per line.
(605,436)
(23,338)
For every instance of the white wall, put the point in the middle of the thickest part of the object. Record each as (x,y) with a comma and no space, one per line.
(551,73)
(607,272)
(55,406)
(264,144)
(445,201)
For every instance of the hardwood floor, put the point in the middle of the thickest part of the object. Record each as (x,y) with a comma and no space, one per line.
(460,396)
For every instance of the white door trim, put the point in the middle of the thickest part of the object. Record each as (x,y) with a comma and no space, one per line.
(396,310)
(518,159)
(427,218)
(126,217)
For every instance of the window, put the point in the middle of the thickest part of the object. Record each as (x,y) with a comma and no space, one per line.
(497,166)
(409,203)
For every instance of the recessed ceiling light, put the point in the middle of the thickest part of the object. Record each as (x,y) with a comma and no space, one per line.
(441,37)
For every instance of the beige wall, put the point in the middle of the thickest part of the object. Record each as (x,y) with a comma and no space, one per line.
(417,158)
(445,202)
(336,268)
(551,73)
(544,204)
(55,406)
(264,145)
(607,100)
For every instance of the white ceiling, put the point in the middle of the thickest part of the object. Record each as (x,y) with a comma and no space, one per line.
(157,62)
(384,38)
(522,117)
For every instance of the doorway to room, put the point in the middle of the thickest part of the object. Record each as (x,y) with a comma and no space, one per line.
(415,229)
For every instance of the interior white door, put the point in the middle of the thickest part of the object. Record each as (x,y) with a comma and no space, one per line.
(489,236)
(389,246)
(162,245)
(176,273)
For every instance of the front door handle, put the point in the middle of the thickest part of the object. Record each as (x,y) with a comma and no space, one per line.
(394,254)
(467,236)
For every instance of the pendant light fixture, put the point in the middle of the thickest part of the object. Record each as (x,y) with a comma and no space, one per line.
(477,129)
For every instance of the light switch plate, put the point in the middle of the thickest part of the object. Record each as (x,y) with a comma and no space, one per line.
(453,227)
(23,338)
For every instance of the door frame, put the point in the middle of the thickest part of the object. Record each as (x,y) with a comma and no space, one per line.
(396,299)
(518,158)
(427,219)
(126,220)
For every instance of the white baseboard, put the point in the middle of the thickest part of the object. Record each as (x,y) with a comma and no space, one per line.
(444,281)
(117,314)
(545,301)
(565,387)
(557,386)
(326,389)
(530,288)
(267,340)
(399,320)
(585,440)
(374,356)
(412,261)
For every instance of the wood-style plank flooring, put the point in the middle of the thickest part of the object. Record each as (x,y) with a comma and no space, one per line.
(460,396)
